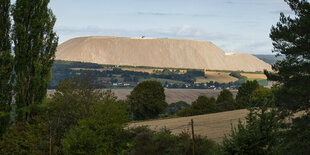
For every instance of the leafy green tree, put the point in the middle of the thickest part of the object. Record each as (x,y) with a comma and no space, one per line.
(73,101)
(290,38)
(6,66)
(261,134)
(100,133)
(35,45)
(204,105)
(225,101)
(147,100)
(244,93)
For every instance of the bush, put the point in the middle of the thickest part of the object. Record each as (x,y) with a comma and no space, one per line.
(236,75)
(173,108)
(185,112)
(146,141)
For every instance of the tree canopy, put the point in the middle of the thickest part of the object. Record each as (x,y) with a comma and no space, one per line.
(6,66)
(147,100)
(290,38)
(35,45)
(203,105)
(225,101)
(244,93)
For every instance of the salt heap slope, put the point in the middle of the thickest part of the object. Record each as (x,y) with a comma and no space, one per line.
(174,53)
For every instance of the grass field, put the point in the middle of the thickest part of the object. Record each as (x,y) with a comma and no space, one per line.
(254,75)
(263,82)
(214,126)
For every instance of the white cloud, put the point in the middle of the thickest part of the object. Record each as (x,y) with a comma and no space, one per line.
(229,42)
(257,47)
(185,31)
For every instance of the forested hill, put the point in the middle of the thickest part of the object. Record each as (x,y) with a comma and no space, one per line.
(270,59)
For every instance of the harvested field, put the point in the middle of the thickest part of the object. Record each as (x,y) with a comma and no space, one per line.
(172,95)
(175,95)
(214,126)
(221,77)
(254,76)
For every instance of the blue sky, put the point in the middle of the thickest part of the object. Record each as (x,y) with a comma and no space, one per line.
(239,26)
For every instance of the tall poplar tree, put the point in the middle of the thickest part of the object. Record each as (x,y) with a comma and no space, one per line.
(6,65)
(35,45)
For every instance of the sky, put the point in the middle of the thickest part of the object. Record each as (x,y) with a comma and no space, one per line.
(236,26)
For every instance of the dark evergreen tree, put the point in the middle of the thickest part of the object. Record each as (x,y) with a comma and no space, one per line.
(291,38)
(261,133)
(35,46)
(6,65)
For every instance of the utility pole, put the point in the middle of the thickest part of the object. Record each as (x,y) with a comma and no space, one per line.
(193,136)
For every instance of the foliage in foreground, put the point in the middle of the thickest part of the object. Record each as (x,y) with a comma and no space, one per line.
(260,134)
(146,141)
(102,132)
(81,120)
(73,101)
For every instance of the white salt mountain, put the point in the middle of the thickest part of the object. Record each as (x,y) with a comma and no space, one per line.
(174,53)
